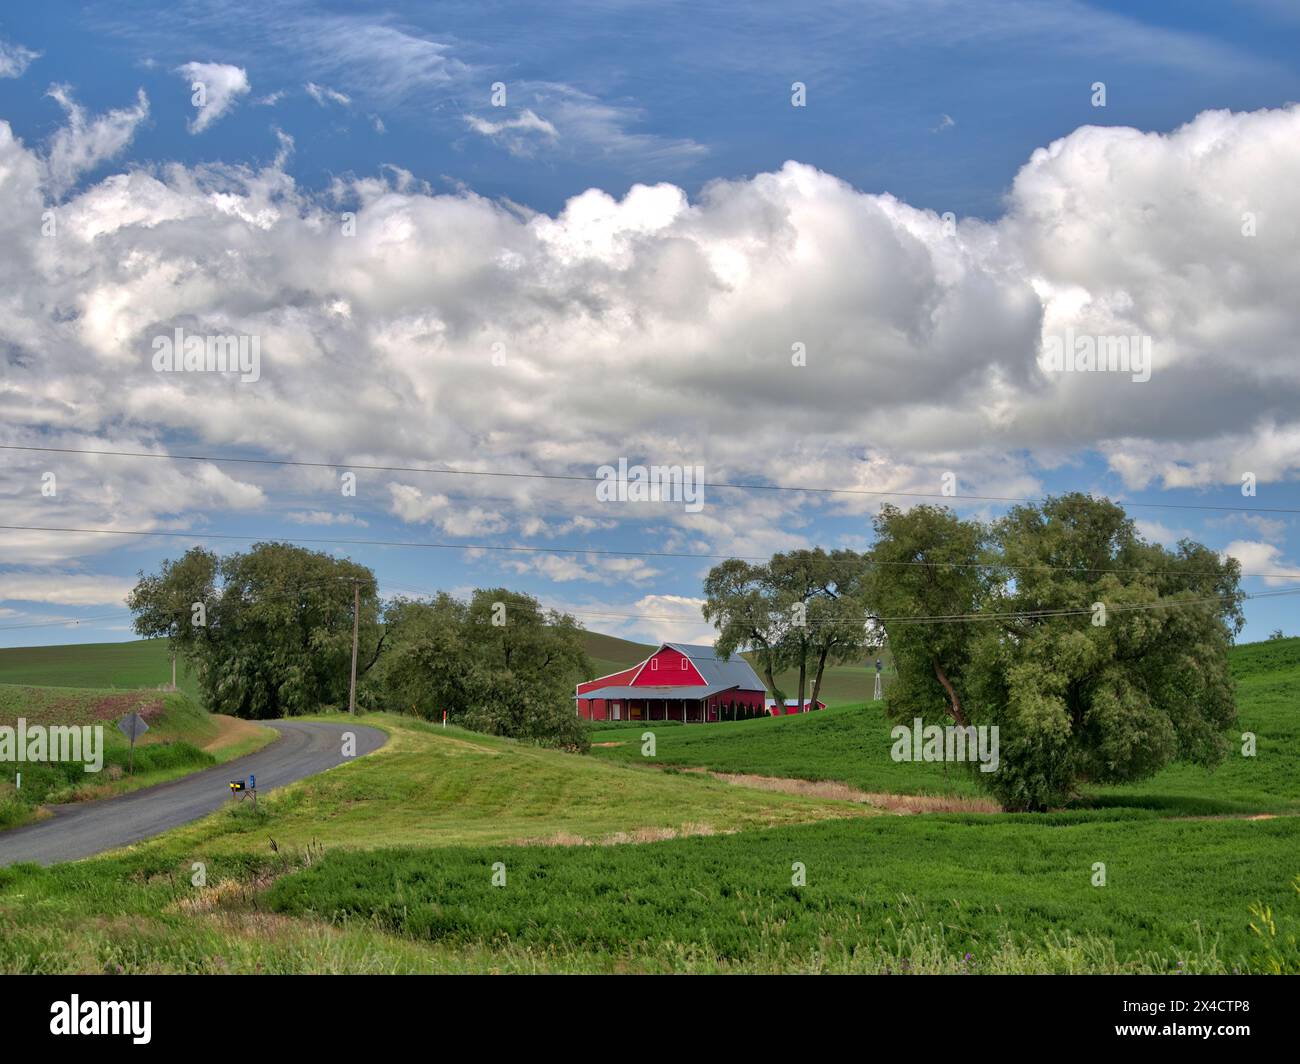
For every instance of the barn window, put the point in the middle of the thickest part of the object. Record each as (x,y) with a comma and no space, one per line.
(654,664)
(684,664)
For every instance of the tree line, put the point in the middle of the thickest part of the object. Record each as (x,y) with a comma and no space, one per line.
(268,633)
(1099,656)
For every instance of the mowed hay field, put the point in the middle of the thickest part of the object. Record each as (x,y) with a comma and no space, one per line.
(387,864)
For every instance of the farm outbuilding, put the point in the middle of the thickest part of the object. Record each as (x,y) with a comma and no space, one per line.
(791,705)
(679,681)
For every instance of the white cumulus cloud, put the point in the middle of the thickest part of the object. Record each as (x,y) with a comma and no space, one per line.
(662,328)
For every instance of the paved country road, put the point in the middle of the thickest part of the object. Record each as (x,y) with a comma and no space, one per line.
(81,829)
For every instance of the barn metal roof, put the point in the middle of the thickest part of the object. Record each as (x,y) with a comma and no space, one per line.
(695,691)
(734,671)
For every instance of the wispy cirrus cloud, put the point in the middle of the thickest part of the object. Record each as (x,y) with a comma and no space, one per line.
(63,588)
(589,124)
(15,59)
(217,87)
(386,61)
(519,135)
(84,143)
(325,96)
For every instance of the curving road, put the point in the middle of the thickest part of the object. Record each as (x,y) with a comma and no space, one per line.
(85,828)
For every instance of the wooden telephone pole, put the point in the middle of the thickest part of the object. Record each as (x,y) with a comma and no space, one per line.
(356,620)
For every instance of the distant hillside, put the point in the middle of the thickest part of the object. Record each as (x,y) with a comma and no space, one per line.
(141,663)
(609,654)
(138,663)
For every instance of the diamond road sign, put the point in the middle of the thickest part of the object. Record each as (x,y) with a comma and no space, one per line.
(132,726)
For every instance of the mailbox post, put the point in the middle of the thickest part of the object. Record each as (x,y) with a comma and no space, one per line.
(239,789)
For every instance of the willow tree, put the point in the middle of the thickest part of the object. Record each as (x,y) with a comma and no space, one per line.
(171,604)
(268,631)
(1099,656)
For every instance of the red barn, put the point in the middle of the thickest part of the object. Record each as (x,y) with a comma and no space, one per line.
(679,681)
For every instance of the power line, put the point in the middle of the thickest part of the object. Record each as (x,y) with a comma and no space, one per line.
(919,618)
(609,552)
(272,594)
(1167,603)
(682,618)
(579,478)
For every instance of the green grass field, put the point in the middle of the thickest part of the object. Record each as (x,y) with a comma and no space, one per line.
(847,744)
(1176,896)
(611,864)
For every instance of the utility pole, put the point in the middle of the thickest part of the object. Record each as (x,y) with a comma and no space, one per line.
(356,620)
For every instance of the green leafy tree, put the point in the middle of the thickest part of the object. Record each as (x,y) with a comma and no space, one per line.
(169,604)
(1100,657)
(498,663)
(825,594)
(278,634)
(741,602)
(801,611)
(426,662)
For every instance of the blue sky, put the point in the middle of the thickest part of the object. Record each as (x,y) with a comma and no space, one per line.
(698,91)
(627,228)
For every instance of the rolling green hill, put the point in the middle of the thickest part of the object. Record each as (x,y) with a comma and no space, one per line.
(387,864)
(99,683)
(609,654)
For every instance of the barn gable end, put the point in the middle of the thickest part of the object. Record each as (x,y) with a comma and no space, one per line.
(668,667)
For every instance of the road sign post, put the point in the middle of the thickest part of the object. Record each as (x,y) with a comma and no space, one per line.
(132,726)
